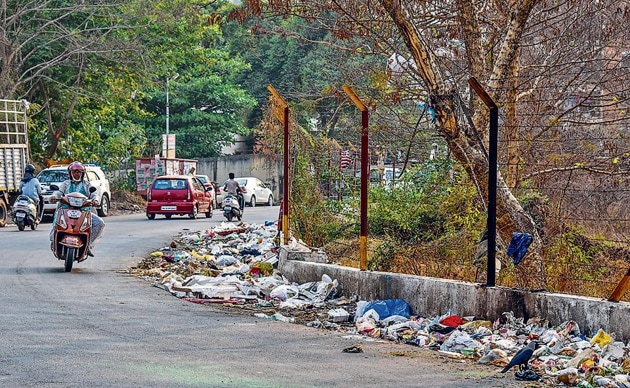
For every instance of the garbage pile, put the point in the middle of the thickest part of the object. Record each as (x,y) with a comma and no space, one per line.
(234,266)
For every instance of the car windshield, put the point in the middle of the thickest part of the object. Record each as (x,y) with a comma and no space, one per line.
(52,176)
(202,179)
(169,184)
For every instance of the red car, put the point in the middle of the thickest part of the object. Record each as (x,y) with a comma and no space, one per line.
(179,194)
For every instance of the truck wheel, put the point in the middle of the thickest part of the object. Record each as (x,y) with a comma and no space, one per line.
(3,214)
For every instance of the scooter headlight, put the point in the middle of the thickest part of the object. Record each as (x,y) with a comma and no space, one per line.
(75,201)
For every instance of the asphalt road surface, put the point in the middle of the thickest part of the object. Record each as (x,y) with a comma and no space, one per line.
(100,327)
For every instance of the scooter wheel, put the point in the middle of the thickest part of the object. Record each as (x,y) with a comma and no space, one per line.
(20,225)
(69,259)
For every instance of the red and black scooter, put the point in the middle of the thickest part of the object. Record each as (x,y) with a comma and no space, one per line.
(72,228)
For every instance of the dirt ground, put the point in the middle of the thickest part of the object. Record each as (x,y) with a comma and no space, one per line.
(124,202)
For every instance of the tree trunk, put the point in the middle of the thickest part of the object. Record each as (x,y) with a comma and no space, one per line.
(511,134)
(465,150)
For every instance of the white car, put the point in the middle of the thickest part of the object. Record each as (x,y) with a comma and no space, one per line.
(59,173)
(256,192)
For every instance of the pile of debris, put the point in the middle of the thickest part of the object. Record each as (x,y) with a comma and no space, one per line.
(234,266)
(125,202)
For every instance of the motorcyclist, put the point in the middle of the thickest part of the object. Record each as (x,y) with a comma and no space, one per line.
(30,186)
(233,188)
(78,183)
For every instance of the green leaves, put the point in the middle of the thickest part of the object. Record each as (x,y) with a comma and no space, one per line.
(98,74)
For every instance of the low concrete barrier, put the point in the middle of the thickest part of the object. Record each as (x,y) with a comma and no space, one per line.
(429,297)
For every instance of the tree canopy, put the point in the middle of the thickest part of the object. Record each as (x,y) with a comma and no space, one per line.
(95,75)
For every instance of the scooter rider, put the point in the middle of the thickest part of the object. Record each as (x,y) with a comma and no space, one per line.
(30,186)
(233,188)
(78,183)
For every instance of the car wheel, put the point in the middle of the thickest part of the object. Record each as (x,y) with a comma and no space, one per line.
(151,216)
(103,211)
(252,201)
(209,213)
(270,200)
(194,213)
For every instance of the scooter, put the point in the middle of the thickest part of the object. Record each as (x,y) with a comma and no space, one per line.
(25,213)
(232,208)
(72,228)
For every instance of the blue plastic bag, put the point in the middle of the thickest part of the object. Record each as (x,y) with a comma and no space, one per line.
(518,246)
(387,308)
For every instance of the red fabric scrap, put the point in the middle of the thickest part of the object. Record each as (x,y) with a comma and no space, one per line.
(452,321)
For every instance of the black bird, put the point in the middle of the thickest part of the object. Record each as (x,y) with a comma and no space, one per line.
(521,358)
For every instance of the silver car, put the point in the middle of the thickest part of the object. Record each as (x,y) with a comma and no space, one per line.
(59,173)
(256,192)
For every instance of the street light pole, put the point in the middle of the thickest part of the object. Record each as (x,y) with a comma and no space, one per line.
(168,79)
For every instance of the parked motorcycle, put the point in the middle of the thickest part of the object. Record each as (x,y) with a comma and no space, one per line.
(72,228)
(25,213)
(232,208)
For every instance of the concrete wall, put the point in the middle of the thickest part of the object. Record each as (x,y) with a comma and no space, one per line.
(429,297)
(266,168)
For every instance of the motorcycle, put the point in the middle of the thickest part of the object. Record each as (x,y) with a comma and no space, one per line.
(25,213)
(232,208)
(72,228)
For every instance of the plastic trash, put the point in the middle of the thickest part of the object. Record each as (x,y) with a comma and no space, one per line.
(365,324)
(493,355)
(282,318)
(284,292)
(338,315)
(225,260)
(518,246)
(601,339)
(389,307)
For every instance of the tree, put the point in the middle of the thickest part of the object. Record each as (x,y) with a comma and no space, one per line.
(95,71)
(52,50)
(512,49)
(207,105)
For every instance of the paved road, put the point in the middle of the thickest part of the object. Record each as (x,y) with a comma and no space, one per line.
(99,327)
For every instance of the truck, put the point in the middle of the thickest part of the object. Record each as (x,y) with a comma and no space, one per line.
(14,152)
(147,169)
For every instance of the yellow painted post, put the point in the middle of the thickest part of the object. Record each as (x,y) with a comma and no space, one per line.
(621,288)
(284,119)
(365,176)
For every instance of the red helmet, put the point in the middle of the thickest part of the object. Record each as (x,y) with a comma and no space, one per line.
(76,166)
